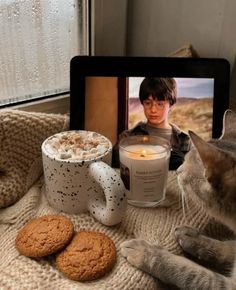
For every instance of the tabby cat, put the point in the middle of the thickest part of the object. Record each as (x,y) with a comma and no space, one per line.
(209,176)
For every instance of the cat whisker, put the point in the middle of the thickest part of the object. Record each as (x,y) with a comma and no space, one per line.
(187,202)
(183,202)
(183,198)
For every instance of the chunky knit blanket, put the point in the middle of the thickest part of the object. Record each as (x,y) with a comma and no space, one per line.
(22,198)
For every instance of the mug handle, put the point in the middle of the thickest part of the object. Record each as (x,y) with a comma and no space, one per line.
(108,211)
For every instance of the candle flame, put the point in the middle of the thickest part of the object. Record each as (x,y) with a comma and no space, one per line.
(143,153)
(145,138)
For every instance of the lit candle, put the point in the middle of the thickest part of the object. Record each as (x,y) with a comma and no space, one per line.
(144,169)
(143,152)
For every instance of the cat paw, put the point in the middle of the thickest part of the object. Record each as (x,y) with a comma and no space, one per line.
(186,231)
(138,252)
(188,238)
(196,244)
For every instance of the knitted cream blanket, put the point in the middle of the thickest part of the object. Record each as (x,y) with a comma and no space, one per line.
(22,198)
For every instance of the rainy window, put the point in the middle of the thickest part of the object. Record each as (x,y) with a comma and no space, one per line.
(38,40)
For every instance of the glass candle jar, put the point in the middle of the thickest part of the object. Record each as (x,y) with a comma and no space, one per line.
(144,165)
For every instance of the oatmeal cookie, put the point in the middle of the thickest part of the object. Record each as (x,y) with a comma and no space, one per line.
(44,236)
(89,256)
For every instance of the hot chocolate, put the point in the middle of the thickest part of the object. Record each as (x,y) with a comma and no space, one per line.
(77,145)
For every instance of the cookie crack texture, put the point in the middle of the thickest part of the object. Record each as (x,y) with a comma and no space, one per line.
(89,256)
(44,236)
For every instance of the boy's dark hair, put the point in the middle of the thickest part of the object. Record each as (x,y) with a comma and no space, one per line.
(162,89)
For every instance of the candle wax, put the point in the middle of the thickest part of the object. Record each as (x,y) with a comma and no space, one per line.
(144,169)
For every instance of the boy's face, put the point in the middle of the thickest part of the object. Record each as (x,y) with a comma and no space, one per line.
(156,112)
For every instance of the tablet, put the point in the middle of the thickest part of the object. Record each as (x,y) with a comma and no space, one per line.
(112,83)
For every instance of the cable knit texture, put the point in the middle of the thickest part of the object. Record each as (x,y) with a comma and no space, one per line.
(21,136)
(22,187)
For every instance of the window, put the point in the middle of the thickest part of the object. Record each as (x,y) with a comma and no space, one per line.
(38,40)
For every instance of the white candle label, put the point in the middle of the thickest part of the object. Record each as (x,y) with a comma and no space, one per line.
(144,176)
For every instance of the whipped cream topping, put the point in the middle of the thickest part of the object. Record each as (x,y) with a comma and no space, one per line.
(77,145)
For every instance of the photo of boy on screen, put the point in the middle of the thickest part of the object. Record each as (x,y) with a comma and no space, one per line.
(157,97)
(193,109)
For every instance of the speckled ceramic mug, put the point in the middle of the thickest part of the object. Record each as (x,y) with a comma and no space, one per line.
(79,180)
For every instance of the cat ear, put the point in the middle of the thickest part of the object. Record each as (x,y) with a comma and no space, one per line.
(229,125)
(214,159)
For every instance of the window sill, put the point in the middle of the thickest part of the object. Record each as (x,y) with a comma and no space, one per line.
(57,105)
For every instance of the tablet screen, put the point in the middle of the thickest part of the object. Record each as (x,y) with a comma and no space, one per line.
(202,91)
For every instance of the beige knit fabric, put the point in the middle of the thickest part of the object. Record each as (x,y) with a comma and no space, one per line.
(18,272)
(21,136)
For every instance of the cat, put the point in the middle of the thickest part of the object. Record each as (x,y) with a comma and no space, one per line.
(208,175)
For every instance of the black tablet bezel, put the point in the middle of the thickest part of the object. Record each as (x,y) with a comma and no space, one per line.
(85,66)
